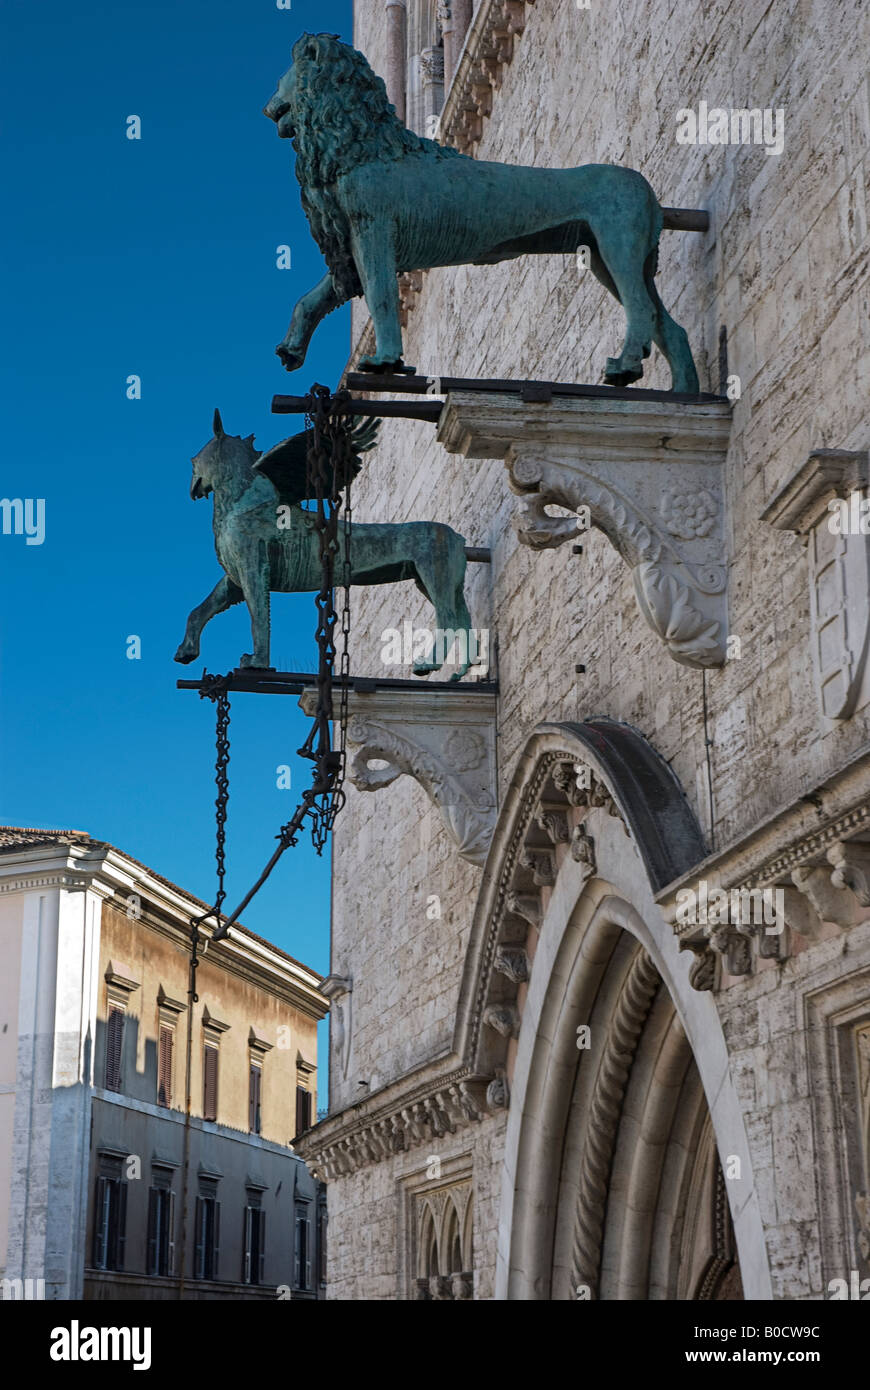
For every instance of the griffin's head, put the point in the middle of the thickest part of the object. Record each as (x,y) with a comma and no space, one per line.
(206,462)
(223,457)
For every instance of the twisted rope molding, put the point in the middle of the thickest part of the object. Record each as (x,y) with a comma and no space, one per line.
(630,1015)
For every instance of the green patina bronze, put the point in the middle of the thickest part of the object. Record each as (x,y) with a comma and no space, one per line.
(267,543)
(381,200)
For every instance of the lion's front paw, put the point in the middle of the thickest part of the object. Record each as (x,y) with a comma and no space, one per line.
(385,366)
(186,654)
(291,360)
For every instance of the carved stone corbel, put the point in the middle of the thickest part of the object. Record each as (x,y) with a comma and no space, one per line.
(541,864)
(650,475)
(829,903)
(553,820)
(445,742)
(512,961)
(736,948)
(504,1018)
(704,968)
(525,905)
(583,851)
(851,863)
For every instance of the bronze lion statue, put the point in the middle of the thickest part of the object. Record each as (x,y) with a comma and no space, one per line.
(381,200)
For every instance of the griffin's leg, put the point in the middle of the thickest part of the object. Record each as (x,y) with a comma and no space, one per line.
(376,263)
(257,598)
(224,594)
(309,311)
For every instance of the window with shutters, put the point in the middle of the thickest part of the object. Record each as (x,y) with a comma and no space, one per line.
(206,1232)
(209,1082)
(254,1247)
(161,1225)
(303,1109)
(114,1047)
(302,1246)
(110,1218)
(254,1094)
(164,1065)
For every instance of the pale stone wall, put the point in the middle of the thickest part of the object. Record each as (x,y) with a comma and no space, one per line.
(785,268)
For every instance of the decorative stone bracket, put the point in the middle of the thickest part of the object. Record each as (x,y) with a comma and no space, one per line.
(650,474)
(825,891)
(447,743)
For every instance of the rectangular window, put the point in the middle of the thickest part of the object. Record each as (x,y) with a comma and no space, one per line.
(303,1110)
(164,1066)
(110,1223)
(254,1258)
(114,1047)
(161,1229)
(254,1114)
(207,1226)
(209,1082)
(302,1247)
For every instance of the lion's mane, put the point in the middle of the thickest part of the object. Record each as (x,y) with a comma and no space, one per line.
(343,119)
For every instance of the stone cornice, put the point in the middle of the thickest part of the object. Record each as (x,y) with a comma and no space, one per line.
(487,51)
(400,1117)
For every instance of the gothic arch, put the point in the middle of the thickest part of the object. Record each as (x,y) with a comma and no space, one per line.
(612,1149)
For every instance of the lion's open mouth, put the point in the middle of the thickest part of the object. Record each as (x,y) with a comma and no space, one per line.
(286,128)
(196,489)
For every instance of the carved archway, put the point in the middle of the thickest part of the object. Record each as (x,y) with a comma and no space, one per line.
(612,1148)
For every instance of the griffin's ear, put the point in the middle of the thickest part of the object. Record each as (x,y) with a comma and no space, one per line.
(217,425)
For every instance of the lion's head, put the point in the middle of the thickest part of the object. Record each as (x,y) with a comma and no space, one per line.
(334,107)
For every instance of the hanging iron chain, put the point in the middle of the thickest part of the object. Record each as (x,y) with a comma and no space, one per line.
(215,688)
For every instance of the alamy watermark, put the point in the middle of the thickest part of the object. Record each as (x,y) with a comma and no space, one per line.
(720,126)
(463,646)
(737,907)
(23,517)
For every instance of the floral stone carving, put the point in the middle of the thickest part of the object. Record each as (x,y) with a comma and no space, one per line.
(646,473)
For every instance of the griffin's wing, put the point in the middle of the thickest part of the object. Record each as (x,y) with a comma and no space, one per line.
(284,463)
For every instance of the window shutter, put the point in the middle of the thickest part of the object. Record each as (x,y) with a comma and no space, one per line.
(246,1248)
(297,1254)
(307,1253)
(261,1248)
(101,1225)
(121,1224)
(210,1082)
(153,1200)
(216,1239)
(199,1237)
(170,1234)
(114,1045)
(164,1068)
(303,1110)
(254,1101)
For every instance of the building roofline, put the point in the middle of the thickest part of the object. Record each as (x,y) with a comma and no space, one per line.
(37,838)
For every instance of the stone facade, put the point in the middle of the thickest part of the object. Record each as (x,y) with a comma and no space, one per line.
(448,1066)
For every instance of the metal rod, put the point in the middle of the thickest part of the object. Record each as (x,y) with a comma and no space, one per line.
(404,410)
(478,554)
(248,679)
(686,220)
(531,390)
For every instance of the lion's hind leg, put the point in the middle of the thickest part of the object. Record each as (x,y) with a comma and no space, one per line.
(620,259)
(672,340)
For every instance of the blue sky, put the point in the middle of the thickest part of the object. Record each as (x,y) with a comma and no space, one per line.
(154,257)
